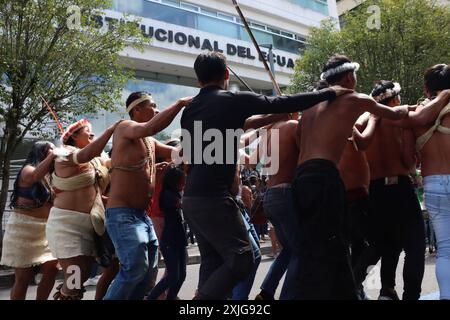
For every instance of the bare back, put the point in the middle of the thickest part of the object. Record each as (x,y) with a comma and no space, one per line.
(386,152)
(326,126)
(131,188)
(354,168)
(287,152)
(435,154)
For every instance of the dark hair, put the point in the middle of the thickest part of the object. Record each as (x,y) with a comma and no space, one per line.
(36,155)
(133,97)
(437,78)
(210,67)
(246,183)
(322,84)
(336,61)
(172,178)
(381,87)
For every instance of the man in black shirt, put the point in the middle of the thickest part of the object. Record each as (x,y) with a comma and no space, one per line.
(214,115)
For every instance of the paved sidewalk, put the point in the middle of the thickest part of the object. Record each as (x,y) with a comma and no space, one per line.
(7,276)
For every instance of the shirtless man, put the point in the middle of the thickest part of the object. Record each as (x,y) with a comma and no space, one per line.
(355,173)
(279,209)
(396,218)
(325,271)
(430,125)
(132,185)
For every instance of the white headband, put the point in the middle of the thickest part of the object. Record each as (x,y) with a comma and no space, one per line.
(340,69)
(389,93)
(145,97)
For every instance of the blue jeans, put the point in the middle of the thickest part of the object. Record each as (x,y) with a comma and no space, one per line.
(134,238)
(175,260)
(243,288)
(279,209)
(437,201)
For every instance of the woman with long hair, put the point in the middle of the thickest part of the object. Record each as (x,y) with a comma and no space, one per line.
(25,245)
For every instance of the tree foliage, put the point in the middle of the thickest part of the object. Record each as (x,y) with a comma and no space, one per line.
(75,67)
(414,35)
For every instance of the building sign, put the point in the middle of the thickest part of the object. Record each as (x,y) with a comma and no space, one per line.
(181,38)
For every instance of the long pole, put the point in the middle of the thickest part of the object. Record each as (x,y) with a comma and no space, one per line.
(272,67)
(240,79)
(258,49)
(53,114)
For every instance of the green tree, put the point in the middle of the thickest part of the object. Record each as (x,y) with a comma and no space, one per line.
(322,43)
(44,51)
(414,35)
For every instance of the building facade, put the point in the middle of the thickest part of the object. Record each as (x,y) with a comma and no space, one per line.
(344,6)
(180,30)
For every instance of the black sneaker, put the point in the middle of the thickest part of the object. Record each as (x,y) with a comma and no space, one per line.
(362,295)
(264,295)
(388,294)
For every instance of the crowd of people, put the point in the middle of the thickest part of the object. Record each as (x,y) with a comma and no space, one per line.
(341,199)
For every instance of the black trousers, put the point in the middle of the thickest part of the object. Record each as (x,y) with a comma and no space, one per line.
(225,248)
(325,271)
(397,224)
(363,253)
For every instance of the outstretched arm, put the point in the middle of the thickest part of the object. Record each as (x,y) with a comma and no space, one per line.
(259,121)
(424,115)
(164,151)
(370,105)
(259,104)
(95,148)
(159,122)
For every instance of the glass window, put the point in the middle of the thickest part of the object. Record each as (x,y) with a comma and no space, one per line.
(316,5)
(171,2)
(300,38)
(216,26)
(188,6)
(208,21)
(274,30)
(209,13)
(287,34)
(261,37)
(169,14)
(287,44)
(225,16)
(133,7)
(258,26)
